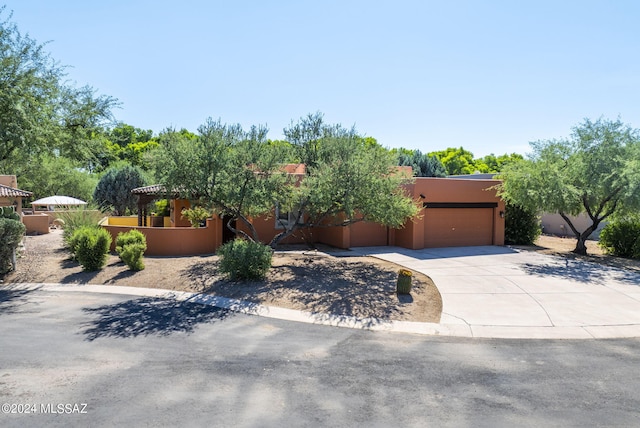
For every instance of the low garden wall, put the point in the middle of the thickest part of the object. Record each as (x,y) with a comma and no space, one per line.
(36,223)
(171,241)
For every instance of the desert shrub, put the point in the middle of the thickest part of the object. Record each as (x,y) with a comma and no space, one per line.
(130,246)
(91,246)
(621,238)
(196,215)
(10,213)
(74,220)
(11,232)
(521,227)
(242,259)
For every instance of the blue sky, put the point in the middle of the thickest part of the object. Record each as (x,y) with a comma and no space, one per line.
(490,76)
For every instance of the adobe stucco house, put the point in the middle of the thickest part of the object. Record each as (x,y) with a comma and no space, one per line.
(455,212)
(10,195)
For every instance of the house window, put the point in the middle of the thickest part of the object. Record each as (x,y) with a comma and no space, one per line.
(285,219)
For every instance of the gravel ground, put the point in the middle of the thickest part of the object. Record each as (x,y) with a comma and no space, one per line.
(310,281)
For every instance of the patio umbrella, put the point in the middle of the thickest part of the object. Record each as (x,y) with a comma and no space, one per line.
(58,201)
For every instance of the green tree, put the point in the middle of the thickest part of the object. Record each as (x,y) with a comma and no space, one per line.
(348,180)
(29,92)
(495,163)
(114,189)
(39,112)
(423,165)
(596,171)
(457,161)
(48,175)
(238,173)
(131,144)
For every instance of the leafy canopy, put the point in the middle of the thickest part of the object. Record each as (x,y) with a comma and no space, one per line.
(241,175)
(596,171)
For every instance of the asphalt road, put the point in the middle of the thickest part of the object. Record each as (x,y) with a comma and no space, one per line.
(88,359)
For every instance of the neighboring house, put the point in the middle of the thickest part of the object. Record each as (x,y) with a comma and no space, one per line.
(10,195)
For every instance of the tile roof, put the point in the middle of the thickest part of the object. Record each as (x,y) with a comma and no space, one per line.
(156,189)
(10,192)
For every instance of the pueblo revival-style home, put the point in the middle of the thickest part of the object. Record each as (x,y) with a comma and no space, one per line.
(455,212)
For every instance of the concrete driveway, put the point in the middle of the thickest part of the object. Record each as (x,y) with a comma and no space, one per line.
(506,293)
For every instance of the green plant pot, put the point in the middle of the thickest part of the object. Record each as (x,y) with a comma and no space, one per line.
(403,286)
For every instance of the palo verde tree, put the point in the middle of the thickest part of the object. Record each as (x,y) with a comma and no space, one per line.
(237,173)
(596,171)
(348,180)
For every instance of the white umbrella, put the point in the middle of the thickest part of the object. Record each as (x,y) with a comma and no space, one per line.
(58,200)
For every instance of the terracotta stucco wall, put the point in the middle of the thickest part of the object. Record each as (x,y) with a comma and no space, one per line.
(266,228)
(365,234)
(176,241)
(36,223)
(9,180)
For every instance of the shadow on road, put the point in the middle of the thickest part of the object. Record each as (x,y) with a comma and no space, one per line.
(11,299)
(149,316)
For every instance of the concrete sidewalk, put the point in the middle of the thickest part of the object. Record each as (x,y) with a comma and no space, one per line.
(506,293)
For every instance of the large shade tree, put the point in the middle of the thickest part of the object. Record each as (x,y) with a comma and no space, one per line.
(39,111)
(596,171)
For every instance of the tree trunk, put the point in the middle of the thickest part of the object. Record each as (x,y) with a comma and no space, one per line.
(581,246)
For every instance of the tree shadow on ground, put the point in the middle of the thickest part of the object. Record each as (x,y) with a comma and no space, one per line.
(581,271)
(149,316)
(12,299)
(342,288)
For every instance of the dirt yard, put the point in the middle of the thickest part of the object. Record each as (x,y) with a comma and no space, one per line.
(307,280)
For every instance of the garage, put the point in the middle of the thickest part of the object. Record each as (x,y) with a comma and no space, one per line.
(456,225)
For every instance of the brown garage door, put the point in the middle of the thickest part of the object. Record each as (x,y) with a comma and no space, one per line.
(458,227)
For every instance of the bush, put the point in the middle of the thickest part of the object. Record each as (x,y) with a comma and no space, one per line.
(91,246)
(196,215)
(74,220)
(163,208)
(10,213)
(621,238)
(242,259)
(11,232)
(130,246)
(521,227)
